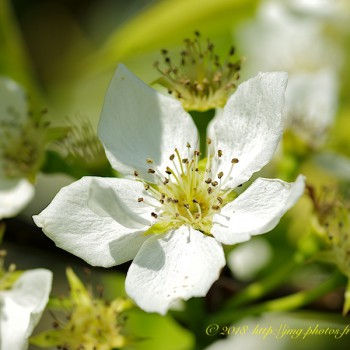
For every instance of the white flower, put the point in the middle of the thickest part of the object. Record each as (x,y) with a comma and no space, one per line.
(15,191)
(281,40)
(183,204)
(21,308)
(311,104)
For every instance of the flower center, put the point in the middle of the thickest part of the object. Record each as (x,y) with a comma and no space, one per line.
(190,192)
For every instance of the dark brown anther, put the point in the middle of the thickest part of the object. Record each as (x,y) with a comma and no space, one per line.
(162,195)
(140,199)
(169,200)
(151,171)
(149,161)
(208,141)
(214,183)
(161,201)
(232,51)
(220,200)
(172,157)
(197,153)
(208,180)
(220,175)
(186,206)
(175,201)
(215,207)
(188,145)
(219,153)
(234,160)
(136,173)
(209,190)
(168,171)
(185,160)
(166,181)
(194,201)
(146,186)
(153,214)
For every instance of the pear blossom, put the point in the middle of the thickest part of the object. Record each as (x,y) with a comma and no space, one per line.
(15,191)
(21,307)
(172,211)
(281,40)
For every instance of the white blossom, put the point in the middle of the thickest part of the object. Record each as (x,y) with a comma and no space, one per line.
(173,211)
(21,308)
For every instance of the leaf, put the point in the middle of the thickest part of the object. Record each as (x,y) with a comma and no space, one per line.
(167,23)
(346,306)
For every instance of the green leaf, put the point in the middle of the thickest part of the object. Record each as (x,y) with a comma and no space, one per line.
(167,23)
(153,331)
(346,306)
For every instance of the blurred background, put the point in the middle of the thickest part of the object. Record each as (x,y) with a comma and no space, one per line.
(64,53)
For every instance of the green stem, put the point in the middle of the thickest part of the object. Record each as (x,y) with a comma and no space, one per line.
(290,302)
(259,289)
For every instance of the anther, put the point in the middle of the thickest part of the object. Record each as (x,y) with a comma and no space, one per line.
(197,215)
(215,207)
(185,160)
(234,160)
(168,171)
(140,199)
(161,201)
(151,171)
(220,175)
(194,201)
(146,186)
(175,201)
(214,183)
(197,153)
(208,141)
(188,145)
(208,180)
(154,215)
(172,157)
(219,153)
(136,173)
(149,161)
(209,190)
(220,200)
(187,206)
(169,200)
(166,181)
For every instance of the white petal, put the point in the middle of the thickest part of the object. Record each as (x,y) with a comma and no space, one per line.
(14,196)
(138,123)
(21,308)
(311,102)
(182,264)
(250,126)
(13,102)
(83,227)
(257,210)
